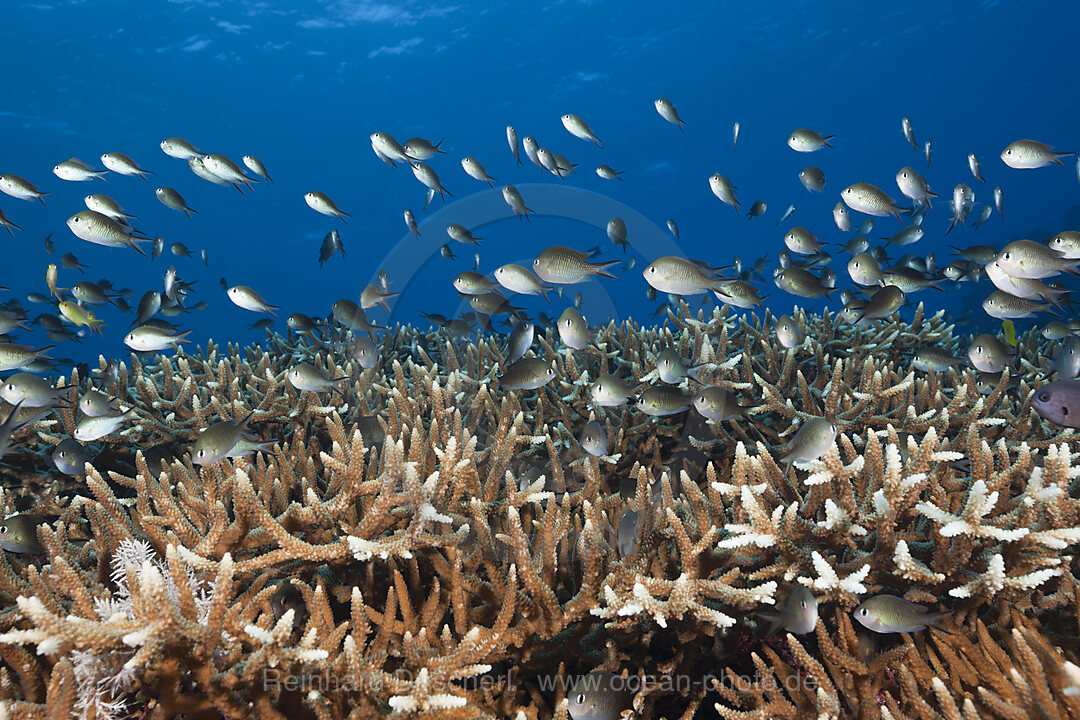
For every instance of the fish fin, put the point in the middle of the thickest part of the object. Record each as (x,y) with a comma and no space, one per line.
(775,622)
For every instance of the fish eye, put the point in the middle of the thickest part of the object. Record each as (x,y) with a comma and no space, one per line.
(802,604)
(75,220)
(652,270)
(1044,396)
(3,529)
(200,453)
(1008,152)
(864,612)
(581,698)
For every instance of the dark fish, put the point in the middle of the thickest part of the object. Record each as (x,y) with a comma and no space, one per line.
(18,534)
(331,244)
(1059,402)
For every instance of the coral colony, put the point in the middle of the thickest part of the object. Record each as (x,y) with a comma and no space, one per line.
(418,541)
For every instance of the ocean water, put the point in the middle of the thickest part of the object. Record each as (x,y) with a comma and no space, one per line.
(303,85)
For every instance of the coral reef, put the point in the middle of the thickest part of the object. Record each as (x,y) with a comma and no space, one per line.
(421,543)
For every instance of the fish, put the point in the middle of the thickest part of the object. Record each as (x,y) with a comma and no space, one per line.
(475,170)
(1032,260)
(1031,154)
(309,378)
(95,403)
(93,227)
(216,442)
(170,198)
(1066,244)
(663,400)
(573,329)
(386,146)
(973,165)
(121,164)
(256,166)
(841,217)
(14,356)
(566,266)
(32,391)
(909,132)
(673,228)
(1023,287)
(739,293)
(363,350)
(519,279)
(148,338)
(608,173)
(988,354)
(999,201)
(667,110)
(717,403)
(462,234)
(18,534)
(1055,330)
(724,190)
(866,198)
(735,134)
(802,241)
(616,232)
(594,439)
(531,149)
(680,276)
(470,282)
(198,167)
(75,170)
(422,149)
(914,186)
(1000,304)
(865,270)
(1059,402)
(180,148)
(934,358)
(512,140)
(520,340)
(812,178)
(410,222)
(70,457)
(245,297)
(610,391)
(1065,360)
(517,203)
(884,302)
(579,129)
(94,428)
(426,175)
(812,440)
(321,203)
(19,187)
(672,369)
(331,244)
(787,213)
(797,614)
(789,333)
(628,534)
(600,695)
(227,170)
(928,149)
(526,374)
(807,141)
(892,614)
(757,209)
(800,282)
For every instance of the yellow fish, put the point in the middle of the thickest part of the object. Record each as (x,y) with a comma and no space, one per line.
(1010,332)
(80,316)
(50,280)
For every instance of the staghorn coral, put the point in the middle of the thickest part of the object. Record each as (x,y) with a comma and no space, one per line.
(453,552)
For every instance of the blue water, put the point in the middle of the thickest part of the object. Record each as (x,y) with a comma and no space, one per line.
(303,85)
